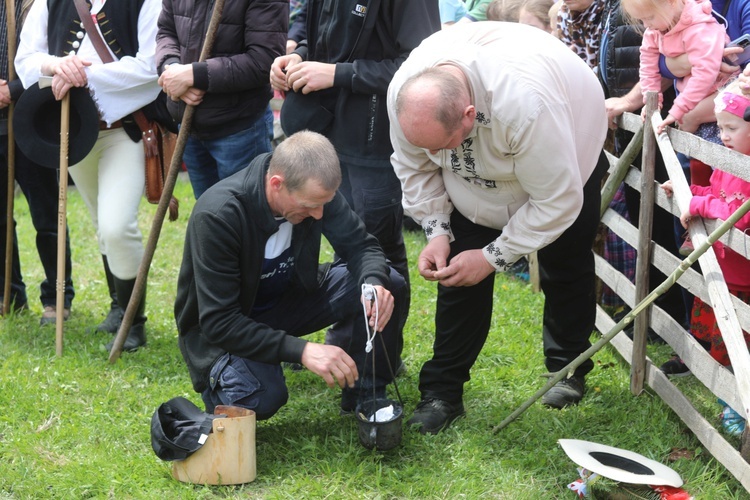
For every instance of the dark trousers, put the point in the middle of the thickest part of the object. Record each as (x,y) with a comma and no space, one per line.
(567,276)
(40,187)
(261,386)
(375,195)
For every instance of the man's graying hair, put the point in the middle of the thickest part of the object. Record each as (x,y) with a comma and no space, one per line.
(451,92)
(306,155)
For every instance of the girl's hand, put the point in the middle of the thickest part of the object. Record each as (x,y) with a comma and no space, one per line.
(685,218)
(667,187)
(665,123)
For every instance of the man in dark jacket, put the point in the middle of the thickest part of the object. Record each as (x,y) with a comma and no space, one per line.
(336,82)
(250,284)
(233,122)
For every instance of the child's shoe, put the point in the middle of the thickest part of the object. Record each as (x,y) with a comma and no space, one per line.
(731,421)
(687,246)
(675,367)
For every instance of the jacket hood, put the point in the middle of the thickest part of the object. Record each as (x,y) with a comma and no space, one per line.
(694,12)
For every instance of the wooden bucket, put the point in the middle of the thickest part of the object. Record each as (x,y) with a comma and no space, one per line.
(228,456)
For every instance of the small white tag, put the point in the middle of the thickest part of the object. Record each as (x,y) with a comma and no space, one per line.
(202,439)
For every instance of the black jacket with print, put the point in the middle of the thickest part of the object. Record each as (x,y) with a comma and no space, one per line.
(368,40)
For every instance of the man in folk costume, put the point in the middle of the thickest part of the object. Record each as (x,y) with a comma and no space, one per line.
(40,188)
(111,177)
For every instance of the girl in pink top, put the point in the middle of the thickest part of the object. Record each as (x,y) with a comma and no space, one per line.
(673,28)
(718,201)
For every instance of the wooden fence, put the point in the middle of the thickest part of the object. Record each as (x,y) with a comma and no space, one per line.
(732,314)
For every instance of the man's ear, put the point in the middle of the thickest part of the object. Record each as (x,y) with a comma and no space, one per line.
(275,182)
(470,112)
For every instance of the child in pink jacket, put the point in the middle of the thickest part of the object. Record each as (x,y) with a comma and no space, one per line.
(725,194)
(673,28)
(719,200)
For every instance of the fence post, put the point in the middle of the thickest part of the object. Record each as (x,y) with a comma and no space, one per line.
(643,262)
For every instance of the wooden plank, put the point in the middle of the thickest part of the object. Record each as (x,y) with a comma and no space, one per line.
(715,155)
(533,259)
(711,374)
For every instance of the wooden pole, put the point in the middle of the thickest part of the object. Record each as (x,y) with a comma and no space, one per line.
(62,203)
(166,194)
(10,18)
(568,370)
(643,260)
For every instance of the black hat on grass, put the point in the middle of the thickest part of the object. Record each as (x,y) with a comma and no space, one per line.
(179,429)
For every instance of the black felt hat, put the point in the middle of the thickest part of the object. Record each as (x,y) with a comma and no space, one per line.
(179,428)
(305,112)
(36,125)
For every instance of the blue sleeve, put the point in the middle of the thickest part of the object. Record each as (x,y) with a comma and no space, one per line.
(663,70)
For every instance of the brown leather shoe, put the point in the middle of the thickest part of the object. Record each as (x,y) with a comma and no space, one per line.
(49,316)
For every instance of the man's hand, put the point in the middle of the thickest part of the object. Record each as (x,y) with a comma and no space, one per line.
(465,269)
(385,308)
(193,96)
(330,362)
(70,69)
(4,94)
(279,69)
(60,87)
(434,257)
(176,80)
(310,76)
(614,106)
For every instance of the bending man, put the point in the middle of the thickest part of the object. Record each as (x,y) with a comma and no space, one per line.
(498,146)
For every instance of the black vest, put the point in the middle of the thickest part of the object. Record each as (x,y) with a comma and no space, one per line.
(118,22)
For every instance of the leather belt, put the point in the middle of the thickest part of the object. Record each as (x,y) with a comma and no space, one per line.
(103,125)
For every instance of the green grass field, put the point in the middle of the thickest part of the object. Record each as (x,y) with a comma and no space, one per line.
(78,427)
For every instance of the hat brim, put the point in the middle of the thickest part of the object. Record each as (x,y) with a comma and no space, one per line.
(618,464)
(36,125)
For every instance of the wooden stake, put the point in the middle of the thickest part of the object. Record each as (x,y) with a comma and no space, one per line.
(166,195)
(10,18)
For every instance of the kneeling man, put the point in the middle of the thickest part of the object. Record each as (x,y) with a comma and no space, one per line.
(251,285)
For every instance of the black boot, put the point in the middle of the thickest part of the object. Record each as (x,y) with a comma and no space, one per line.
(137,334)
(114,317)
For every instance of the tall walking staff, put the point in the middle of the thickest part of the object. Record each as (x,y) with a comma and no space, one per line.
(166,195)
(62,204)
(10,18)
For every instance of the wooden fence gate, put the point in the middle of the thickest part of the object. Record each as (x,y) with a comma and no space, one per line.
(732,314)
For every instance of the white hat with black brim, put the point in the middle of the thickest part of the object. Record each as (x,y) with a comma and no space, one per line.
(618,464)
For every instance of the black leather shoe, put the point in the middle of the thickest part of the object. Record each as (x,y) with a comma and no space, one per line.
(136,338)
(567,392)
(112,322)
(434,415)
